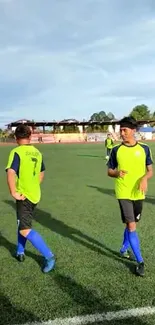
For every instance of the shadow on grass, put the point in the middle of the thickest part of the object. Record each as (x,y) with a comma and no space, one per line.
(111,192)
(11,315)
(12,249)
(150,199)
(90,156)
(90,304)
(107,191)
(46,220)
(81,296)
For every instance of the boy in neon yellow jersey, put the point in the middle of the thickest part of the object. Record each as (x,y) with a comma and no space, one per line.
(130,164)
(108,144)
(25,172)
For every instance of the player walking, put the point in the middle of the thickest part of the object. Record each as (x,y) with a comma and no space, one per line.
(25,172)
(130,164)
(109,145)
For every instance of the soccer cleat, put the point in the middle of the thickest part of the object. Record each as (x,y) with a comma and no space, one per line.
(125,254)
(140,269)
(49,265)
(20,257)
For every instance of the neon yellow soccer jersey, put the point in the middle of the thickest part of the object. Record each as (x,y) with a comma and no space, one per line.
(109,143)
(134,160)
(27,162)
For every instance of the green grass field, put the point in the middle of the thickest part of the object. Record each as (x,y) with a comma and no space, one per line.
(79,218)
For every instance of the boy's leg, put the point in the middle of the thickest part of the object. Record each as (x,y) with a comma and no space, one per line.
(125,243)
(128,212)
(21,241)
(108,154)
(138,208)
(25,229)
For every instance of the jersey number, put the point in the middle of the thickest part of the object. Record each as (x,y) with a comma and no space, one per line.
(34,160)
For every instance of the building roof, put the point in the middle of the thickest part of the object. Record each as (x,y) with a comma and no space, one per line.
(75,122)
(70,120)
(22,120)
(146,129)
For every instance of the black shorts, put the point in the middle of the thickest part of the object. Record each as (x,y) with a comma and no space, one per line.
(108,152)
(131,211)
(24,211)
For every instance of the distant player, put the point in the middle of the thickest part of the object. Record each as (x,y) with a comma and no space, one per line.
(130,164)
(25,172)
(108,144)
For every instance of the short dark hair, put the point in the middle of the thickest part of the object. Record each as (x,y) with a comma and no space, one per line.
(22,132)
(128,122)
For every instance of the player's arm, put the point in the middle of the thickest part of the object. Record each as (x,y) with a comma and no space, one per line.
(42,172)
(113,173)
(149,172)
(42,175)
(112,165)
(12,170)
(149,163)
(11,181)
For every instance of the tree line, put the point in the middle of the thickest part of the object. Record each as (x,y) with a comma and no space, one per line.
(139,112)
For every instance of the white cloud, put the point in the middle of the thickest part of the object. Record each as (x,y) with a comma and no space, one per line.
(69,59)
(6,1)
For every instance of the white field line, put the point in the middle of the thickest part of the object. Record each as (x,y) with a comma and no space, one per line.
(94,318)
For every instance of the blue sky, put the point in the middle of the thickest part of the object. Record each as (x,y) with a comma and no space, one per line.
(70,58)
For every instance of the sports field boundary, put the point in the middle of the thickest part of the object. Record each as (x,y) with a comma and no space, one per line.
(100,317)
(4,144)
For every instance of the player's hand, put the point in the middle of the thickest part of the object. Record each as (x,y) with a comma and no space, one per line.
(17,196)
(122,173)
(143,185)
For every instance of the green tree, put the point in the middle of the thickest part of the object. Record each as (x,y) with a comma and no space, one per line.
(11,135)
(141,112)
(111,116)
(56,129)
(96,128)
(152,117)
(70,129)
(102,116)
(5,134)
(98,117)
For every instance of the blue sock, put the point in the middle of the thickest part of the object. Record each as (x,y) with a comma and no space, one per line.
(21,244)
(38,242)
(126,243)
(135,245)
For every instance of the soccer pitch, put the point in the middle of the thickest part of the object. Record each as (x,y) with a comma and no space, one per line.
(79,218)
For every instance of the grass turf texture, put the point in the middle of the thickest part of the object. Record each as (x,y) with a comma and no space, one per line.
(79,218)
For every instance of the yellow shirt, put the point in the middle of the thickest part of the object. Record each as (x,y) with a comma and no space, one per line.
(27,162)
(134,160)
